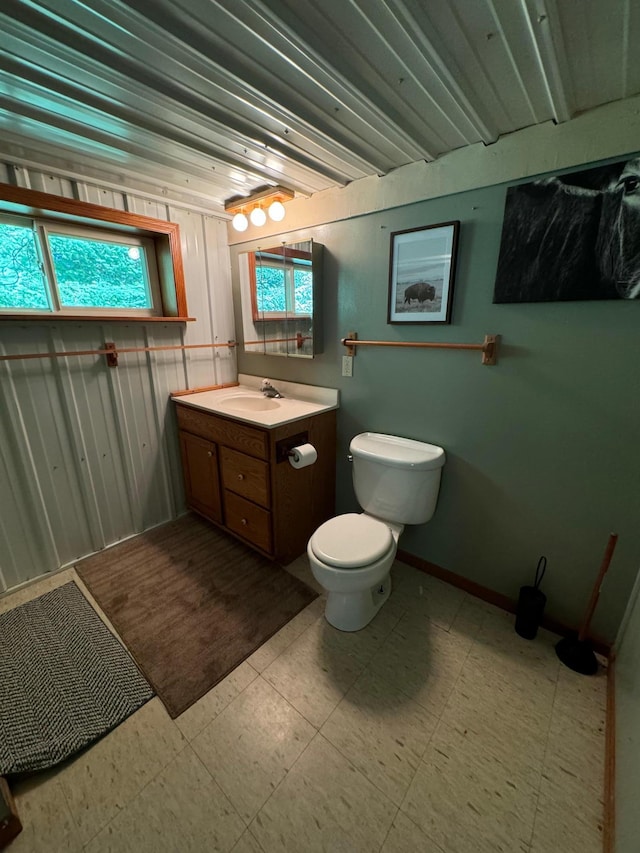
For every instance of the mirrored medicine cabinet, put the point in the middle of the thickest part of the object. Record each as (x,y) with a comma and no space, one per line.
(280,294)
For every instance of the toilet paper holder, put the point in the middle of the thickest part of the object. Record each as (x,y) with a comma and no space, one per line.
(284,447)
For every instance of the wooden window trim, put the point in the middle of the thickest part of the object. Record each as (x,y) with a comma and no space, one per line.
(165,235)
(252,287)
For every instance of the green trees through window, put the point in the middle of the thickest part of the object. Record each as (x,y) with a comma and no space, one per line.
(92,273)
(284,287)
(45,267)
(22,283)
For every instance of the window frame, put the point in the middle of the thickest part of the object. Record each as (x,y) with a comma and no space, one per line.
(58,211)
(263,316)
(100,235)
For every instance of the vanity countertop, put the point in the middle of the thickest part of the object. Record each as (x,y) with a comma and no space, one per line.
(246,403)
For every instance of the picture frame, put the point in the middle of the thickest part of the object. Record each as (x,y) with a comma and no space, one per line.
(422,264)
(571,236)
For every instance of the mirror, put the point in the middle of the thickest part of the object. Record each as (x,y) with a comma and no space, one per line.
(279,288)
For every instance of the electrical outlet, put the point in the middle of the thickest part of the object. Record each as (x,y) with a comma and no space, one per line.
(347,365)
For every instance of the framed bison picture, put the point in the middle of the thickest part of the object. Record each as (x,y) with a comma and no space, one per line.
(421,273)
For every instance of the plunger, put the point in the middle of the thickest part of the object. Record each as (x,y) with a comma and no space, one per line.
(576,652)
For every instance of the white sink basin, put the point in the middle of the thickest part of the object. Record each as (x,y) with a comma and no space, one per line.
(245,402)
(249,403)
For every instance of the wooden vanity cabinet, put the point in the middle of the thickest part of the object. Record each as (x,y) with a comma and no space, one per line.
(238,476)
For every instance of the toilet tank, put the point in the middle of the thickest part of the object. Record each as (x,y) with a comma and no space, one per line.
(396,479)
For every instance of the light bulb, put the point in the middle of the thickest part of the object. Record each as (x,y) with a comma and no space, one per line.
(240,222)
(277,211)
(258,216)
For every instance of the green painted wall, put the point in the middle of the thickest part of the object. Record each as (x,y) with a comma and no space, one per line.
(542,453)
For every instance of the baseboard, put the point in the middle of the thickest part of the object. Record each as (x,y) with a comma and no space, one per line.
(609,825)
(492,597)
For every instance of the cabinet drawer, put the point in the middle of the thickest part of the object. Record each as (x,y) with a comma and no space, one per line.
(248,520)
(222,431)
(245,476)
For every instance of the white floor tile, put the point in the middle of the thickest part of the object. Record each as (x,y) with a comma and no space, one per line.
(382,732)
(485,740)
(248,843)
(582,696)
(466,797)
(426,596)
(316,670)
(280,641)
(405,837)
(192,721)
(102,780)
(422,660)
(251,745)
(324,804)
(47,822)
(168,815)
(563,824)
(575,756)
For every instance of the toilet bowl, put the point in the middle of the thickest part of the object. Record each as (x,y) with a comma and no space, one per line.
(351,557)
(396,481)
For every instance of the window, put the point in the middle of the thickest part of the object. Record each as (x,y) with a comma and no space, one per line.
(50,267)
(282,283)
(70,259)
(22,282)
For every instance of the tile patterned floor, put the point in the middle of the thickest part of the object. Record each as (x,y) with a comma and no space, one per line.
(435,729)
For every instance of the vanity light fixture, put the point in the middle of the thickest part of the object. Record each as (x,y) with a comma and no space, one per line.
(240,222)
(270,199)
(276,211)
(258,216)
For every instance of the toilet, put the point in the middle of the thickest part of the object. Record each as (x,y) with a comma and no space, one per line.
(396,481)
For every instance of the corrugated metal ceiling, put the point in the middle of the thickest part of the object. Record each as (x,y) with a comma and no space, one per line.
(218,98)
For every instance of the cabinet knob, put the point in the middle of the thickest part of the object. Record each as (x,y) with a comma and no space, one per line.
(209,452)
(241,476)
(244,522)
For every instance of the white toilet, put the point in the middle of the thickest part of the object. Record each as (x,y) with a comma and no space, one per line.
(396,481)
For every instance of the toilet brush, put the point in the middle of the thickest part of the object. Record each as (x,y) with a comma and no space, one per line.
(576,652)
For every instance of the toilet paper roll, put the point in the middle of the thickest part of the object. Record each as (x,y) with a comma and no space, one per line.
(303,456)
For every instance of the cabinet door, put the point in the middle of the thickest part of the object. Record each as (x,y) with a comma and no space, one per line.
(200,465)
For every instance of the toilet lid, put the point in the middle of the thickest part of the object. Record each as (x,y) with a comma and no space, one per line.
(351,541)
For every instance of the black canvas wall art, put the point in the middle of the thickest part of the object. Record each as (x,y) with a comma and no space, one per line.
(572,236)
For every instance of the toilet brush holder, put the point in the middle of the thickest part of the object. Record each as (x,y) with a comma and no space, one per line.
(531,603)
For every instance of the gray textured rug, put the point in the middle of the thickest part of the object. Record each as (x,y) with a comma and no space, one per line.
(65,680)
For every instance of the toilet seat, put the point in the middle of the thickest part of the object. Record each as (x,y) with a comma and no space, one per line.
(351,541)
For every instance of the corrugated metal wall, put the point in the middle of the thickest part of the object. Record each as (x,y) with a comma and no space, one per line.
(88,453)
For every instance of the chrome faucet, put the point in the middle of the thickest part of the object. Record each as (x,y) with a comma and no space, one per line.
(268,390)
